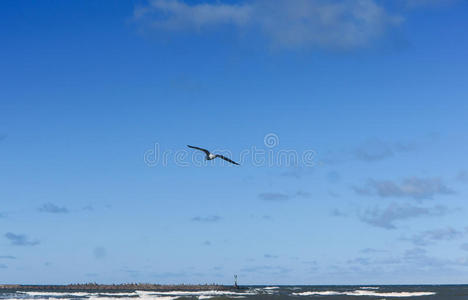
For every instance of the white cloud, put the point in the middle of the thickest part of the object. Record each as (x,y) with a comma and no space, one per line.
(341,24)
(178,15)
(285,23)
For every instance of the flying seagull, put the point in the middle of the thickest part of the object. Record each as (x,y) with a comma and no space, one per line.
(211,156)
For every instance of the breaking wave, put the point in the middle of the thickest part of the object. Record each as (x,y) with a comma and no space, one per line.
(365,293)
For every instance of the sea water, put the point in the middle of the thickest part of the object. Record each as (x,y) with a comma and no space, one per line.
(442,292)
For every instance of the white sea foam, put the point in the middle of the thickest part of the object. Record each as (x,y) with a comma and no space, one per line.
(270,290)
(194,293)
(390,294)
(91,296)
(369,288)
(139,295)
(109,297)
(209,297)
(157,297)
(318,293)
(52,294)
(365,293)
(143,295)
(118,294)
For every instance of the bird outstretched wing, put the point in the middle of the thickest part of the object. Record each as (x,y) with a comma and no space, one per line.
(201,149)
(227,159)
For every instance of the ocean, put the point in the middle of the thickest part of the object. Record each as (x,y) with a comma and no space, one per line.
(443,292)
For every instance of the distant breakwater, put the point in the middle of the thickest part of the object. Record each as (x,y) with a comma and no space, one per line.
(92,287)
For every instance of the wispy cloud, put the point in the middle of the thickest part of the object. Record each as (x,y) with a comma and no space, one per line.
(20,239)
(266,269)
(131,272)
(333,177)
(88,207)
(297,172)
(375,149)
(285,23)
(430,236)
(387,217)
(372,250)
(274,196)
(99,252)
(179,15)
(207,219)
(425,3)
(418,256)
(414,187)
(302,194)
(312,263)
(462,176)
(359,260)
(278,197)
(412,258)
(338,213)
(53,208)
(166,275)
(415,252)
(3,266)
(7,257)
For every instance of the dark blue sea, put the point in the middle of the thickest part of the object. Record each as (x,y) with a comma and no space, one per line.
(442,292)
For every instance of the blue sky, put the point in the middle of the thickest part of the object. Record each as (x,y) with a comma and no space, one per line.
(369,96)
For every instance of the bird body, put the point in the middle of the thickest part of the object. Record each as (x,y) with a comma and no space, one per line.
(211,156)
